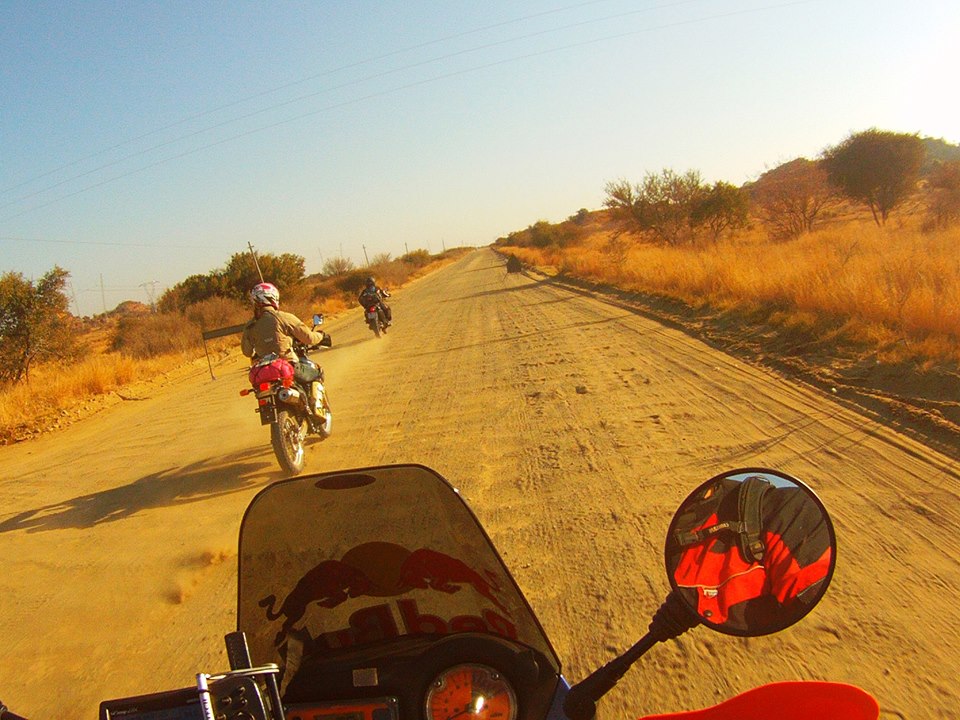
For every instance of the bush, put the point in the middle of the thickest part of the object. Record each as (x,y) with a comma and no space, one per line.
(145,336)
(217,312)
(416,258)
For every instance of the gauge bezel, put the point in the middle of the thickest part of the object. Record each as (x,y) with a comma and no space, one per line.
(492,675)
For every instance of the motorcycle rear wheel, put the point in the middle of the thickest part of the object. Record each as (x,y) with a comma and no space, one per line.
(286,436)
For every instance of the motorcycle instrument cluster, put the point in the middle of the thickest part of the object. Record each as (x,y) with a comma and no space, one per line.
(471,691)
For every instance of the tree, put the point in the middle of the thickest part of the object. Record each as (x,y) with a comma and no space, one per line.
(791,197)
(31,321)
(662,204)
(240,274)
(235,280)
(337,266)
(192,290)
(944,193)
(876,167)
(722,207)
(380,259)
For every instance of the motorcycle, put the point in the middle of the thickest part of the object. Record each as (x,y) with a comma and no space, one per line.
(373,313)
(287,405)
(356,607)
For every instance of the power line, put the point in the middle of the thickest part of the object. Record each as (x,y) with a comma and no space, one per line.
(407,86)
(5,238)
(285,86)
(351,83)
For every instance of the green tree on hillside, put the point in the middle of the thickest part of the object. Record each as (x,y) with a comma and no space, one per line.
(876,167)
(190,291)
(234,280)
(31,321)
(240,274)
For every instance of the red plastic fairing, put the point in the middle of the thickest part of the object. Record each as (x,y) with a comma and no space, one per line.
(789,701)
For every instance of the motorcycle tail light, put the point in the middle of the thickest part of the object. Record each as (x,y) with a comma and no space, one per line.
(262,401)
(264,386)
(287,382)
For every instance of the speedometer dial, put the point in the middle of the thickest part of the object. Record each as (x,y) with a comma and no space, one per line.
(471,691)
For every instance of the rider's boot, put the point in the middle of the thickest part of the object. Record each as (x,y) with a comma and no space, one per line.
(321,416)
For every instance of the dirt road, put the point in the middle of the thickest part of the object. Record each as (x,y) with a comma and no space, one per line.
(573,428)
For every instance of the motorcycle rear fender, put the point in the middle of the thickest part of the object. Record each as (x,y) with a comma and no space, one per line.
(809,700)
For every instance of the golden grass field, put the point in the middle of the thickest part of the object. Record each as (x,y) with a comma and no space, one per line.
(894,291)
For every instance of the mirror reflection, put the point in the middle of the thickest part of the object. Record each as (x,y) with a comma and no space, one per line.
(751,551)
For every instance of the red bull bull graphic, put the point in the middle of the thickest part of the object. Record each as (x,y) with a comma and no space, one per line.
(381,569)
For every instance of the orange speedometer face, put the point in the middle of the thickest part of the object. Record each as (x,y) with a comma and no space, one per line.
(471,691)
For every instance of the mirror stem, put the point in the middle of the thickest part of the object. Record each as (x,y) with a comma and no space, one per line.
(671,620)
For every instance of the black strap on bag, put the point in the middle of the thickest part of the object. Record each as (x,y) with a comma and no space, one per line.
(748,505)
(747,526)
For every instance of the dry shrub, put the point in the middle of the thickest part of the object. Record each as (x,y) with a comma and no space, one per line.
(152,335)
(217,312)
(146,336)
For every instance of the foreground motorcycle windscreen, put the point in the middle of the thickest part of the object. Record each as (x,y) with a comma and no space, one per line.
(332,563)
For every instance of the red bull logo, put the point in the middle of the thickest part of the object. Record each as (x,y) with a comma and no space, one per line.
(381,569)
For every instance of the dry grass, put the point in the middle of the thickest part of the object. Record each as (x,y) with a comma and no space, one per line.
(53,389)
(895,289)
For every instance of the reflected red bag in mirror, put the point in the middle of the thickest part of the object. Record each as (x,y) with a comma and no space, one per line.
(277,369)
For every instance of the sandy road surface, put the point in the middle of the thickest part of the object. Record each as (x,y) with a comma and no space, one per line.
(572,426)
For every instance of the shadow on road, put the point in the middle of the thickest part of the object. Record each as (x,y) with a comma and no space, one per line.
(534,333)
(176,486)
(506,288)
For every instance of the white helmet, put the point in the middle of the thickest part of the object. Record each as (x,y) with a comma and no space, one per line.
(265,294)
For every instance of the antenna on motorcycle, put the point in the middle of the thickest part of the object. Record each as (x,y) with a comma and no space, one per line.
(714,556)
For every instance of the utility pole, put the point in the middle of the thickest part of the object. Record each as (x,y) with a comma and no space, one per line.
(103,296)
(365,255)
(254,255)
(76,305)
(406,250)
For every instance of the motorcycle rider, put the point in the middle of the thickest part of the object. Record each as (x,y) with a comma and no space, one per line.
(272,331)
(750,555)
(372,294)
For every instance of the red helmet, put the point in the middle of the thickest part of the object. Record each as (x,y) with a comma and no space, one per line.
(265,294)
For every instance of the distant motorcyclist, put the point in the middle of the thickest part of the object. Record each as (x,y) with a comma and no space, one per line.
(373,295)
(272,332)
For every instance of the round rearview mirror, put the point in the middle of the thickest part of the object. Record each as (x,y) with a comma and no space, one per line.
(751,551)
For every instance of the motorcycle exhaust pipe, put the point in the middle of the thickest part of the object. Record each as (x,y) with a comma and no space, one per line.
(288,395)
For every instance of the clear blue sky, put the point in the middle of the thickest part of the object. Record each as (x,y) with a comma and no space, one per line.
(148,141)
